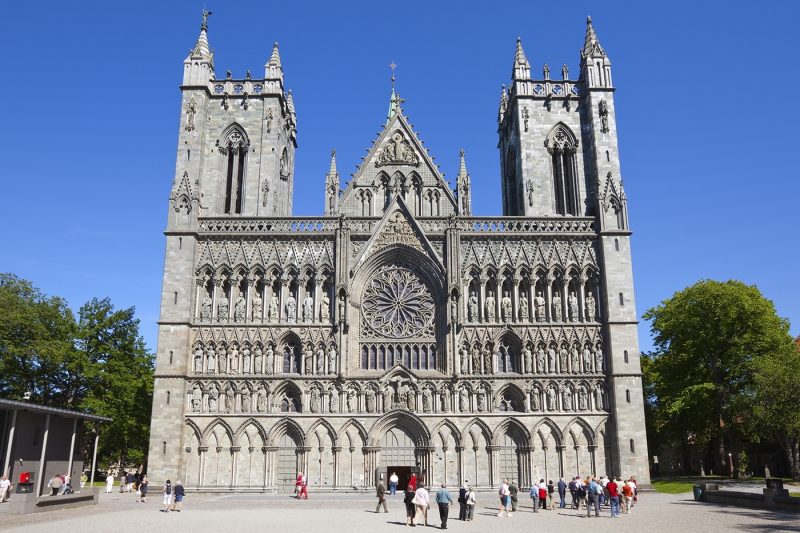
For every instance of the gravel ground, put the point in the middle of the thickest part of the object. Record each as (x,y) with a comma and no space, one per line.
(353,513)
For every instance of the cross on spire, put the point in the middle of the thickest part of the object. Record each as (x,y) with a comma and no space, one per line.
(393,66)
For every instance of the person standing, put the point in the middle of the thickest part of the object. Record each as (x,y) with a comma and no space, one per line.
(471,502)
(551,489)
(381,494)
(444,501)
(408,500)
(535,496)
(5,488)
(513,492)
(593,491)
(180,492)
(562,493)
(393,480)
(167,493)
(542,494)
(143,489)
(613,497)
(627,493)
(298,485)
(462,501)
(421,500)
(55,485)
(412,483)
(504,494)
(109,483)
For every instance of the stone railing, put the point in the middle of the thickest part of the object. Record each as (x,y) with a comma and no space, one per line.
(268,225)
(526,225)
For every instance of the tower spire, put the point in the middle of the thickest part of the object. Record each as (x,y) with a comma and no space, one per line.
(332,187)
(463,187)
(274,69)
(595,64)
(591,44)
(522,68)
(200,61)
(394,99)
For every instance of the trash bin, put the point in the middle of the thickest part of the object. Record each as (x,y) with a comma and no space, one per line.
(698,493)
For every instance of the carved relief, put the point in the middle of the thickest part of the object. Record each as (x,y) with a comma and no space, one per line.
(397,151)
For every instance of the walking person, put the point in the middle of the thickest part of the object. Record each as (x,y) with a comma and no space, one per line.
(627,493)
(562,493)
(412,483)
(298,485)
(462,501)
(421,501)
(167,493)
(304,488)
(542,494)
(5,488)
(380,492)
(444,501)
(393,481)
(179,492)
(593,491)
(109,483)
(613,497)
(551,489)
(513,492)
(143,490)
(471,502)
(505,495)
(408,500)
(535,496)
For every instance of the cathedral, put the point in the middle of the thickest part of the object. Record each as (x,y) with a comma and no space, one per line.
(396,332)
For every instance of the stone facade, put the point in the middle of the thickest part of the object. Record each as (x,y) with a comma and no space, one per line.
(397,330)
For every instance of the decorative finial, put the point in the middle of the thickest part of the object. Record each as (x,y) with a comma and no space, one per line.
(461,152)
(393,67)
(589,20)
(228,74)
(333,152)
(206,14)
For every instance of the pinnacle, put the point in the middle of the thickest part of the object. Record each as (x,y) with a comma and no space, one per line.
(332,171)
(519,55)
(275,58)
(462,169)
(591,44)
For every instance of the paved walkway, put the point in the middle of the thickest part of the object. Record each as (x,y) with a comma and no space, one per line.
(328,513)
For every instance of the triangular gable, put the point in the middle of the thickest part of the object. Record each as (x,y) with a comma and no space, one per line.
(398,228)
(398,148)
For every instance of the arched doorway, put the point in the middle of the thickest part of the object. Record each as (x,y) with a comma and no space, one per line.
(398,455)
(286,463)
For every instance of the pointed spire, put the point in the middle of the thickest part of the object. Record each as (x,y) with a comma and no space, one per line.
(200,61)
(463,187)
(332,170)
(522,68)
(290,102)
(591,45)
(332,187)
(201,48)
(394,99)
(274,69)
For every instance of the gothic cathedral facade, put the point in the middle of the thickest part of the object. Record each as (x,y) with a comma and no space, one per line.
(397,331)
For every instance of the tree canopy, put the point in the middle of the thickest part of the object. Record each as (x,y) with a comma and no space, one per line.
(94,362)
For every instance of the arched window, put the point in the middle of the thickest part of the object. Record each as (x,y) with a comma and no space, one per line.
(562,145)
(234,148)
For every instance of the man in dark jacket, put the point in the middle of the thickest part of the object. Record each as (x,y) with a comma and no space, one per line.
(463,492)
(381,494)
(562,493)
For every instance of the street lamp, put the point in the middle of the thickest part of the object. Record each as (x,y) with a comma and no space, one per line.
(730,462)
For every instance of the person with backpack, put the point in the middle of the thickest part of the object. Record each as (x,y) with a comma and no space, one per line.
(167,492)
(143,490)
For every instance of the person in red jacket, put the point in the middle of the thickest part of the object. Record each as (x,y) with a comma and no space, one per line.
(412,483)
(613,497)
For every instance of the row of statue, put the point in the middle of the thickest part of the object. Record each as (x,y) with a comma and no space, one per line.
(396,395)
(258,361)
(523,311)
(483,361)
(290,309)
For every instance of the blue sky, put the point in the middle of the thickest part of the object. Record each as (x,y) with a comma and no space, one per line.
(707,125)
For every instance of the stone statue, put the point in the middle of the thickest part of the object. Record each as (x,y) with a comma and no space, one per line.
(426,400)
(564,359)
(472,307)
(332,360)
(223,360)
(387,398)
(270,360)
(197,398)
(351,401)
(273,310)
(557,316)
(505,305)
(333,401)
(551,360)
(308,309)
(211,362)
(370,400)
(573,307)
(258,360)
(587,360)
(246,399)
(234,360)
(582,399)
(314,400)
(539,301)
(411,399)
(341,309)
(325,309)
(481,401)
(226,404)
(567,399)
(239,309)
(576,361)
(464,353)
(257,307)
(476,359)
(289,355)
(463,400)
(261,402)
(320,361)
(528,356)
(598,357)
(540,361)
(523,308)
(291,309)
(598,398)
(591,307)
(198,360)
(488,361)
(222,307)
(213,394)
(246,360)
(308,360)
(205,309)
(551,399)
(535,402)
(490,307)
(446,400)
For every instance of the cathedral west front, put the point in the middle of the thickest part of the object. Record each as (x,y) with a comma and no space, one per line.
(396,331)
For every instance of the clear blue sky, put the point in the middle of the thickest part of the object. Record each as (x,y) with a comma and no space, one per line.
(705,110)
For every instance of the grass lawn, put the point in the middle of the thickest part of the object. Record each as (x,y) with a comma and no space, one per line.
(672,486)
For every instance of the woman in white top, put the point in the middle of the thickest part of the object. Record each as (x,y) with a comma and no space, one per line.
(471,501)
(109,483)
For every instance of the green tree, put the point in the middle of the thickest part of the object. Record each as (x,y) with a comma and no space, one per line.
(701,376)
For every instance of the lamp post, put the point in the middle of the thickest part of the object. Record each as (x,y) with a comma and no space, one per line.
(730,462)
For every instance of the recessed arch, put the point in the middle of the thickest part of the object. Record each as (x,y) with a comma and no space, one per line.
(409,422)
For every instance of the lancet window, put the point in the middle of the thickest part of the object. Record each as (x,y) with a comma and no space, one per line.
(233,148)
(562,145)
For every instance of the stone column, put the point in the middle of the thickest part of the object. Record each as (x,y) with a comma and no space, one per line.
(424,460)
(560,453)
(482,299)
(269,465)
(515,299)
(370,463)
(581,299)
(283,284)
(491,450)
(234,465)
(199,282)
(201,478)
(525,465)
(336,451)
(498,298)
(461,466)
(592,457)
(548,308)
(564,300)
(214,287)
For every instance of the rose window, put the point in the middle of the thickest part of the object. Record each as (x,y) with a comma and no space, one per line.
(398,304)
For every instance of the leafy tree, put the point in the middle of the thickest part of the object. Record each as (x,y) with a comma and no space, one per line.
(701,376)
